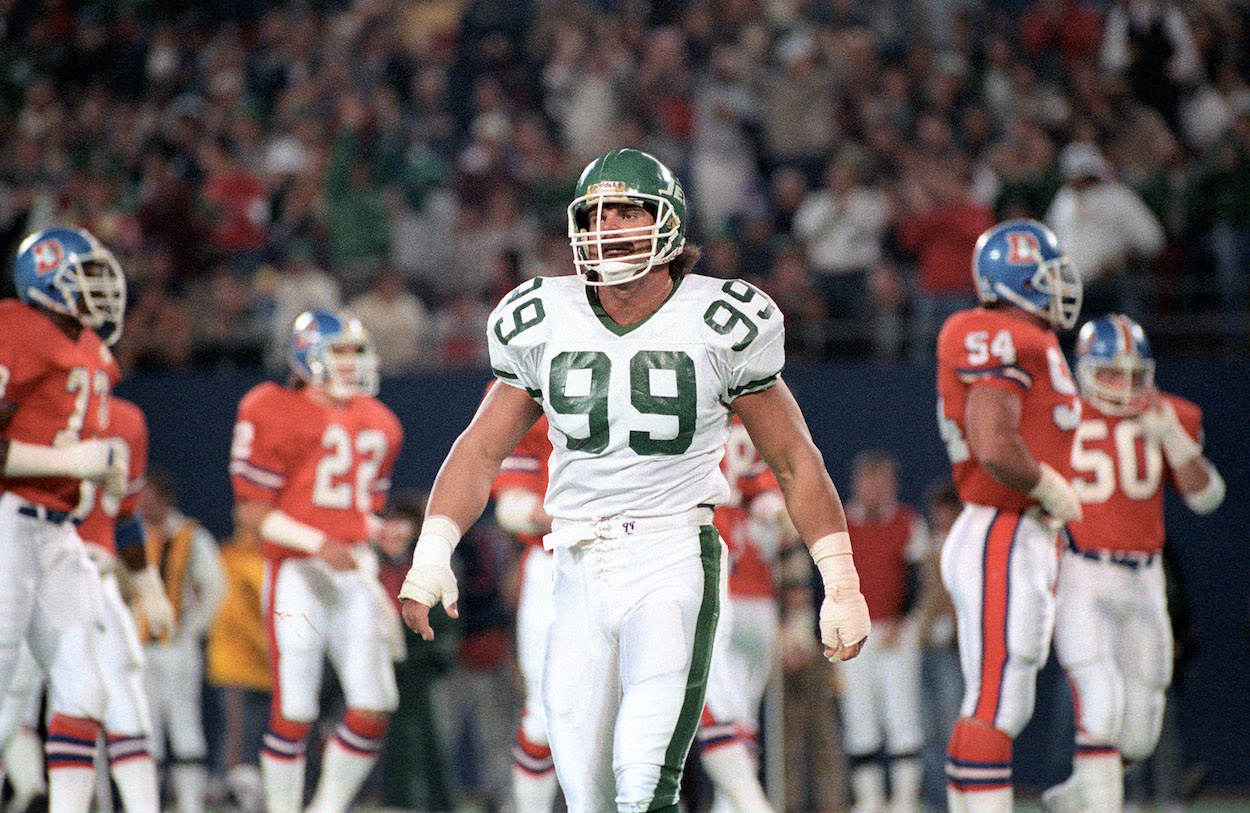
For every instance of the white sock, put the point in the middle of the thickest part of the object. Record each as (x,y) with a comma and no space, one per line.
(905,776)
(190,781)
(998,800)
(868,787)
(23,760)
(1065,797)
(283,780)
(731,767)
(534,793)
(343,771)
(137,783)
(1101,777)
(70,789)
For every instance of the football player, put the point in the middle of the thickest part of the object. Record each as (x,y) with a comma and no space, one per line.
(1007,412)
(195,583)
(881,688)
(56,374)
(1113,636)
(311,465)
(638,365)
(518,492)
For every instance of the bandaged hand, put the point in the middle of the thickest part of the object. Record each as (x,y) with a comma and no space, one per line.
(1056,496)
(430,580)
(844,620)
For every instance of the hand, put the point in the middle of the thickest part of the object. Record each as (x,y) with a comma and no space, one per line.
(425,585)
(844,624)
(1057,496)
(157,611)
(338,555)
(1162,424)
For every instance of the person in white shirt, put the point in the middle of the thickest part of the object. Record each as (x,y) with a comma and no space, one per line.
(1105,228)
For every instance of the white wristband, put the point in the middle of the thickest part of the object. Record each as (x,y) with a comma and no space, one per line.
(80,460)
(439,537)
(832,555)
(281,528)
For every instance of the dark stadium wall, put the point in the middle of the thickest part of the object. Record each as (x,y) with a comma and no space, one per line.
(848,407)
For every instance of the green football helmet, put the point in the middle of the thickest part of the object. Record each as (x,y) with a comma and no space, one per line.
(614,256)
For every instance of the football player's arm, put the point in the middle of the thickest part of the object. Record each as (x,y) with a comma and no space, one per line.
(1195,477)
(773,419)
(459,495)
(992,416)
(279,527)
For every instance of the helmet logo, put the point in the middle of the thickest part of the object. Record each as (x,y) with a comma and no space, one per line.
(47,255)
(1022,248)
(304,339)
(606,188)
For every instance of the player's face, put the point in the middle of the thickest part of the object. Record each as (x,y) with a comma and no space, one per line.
(626,229)
(1125,388)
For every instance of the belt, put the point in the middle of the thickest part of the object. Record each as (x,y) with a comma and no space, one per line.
(565,533)
(1133,561)
(42,512)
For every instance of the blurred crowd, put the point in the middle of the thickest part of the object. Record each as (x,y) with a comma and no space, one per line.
(411,159)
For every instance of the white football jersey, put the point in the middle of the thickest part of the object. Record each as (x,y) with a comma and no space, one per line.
(638,415)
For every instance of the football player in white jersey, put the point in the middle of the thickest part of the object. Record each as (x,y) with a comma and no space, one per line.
(638,365)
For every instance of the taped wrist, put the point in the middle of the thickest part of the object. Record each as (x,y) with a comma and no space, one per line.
(79,460)
(439,537)
(832,555)
(282,529)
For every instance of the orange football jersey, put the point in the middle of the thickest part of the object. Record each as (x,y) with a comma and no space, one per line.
(526,469)
(991,348)
(748,476)
(99,512)
(328,468)
(60,388)
(1119,474)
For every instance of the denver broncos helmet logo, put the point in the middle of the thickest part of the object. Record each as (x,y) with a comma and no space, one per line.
(1022,248)
(48,255)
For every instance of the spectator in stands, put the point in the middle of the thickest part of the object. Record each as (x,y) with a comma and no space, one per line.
(298,285)
(939,227)
(1106,230)
(842,226)
(397,321)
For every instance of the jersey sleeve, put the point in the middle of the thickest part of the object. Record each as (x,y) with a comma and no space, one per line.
(510,333)
(751,334)
(989,352)
(257,470)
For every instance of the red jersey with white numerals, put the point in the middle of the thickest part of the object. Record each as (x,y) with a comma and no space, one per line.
(99,511)
(324,466)
(526,469)
(1119,472)
(60,388)
(750,574)
(993,348)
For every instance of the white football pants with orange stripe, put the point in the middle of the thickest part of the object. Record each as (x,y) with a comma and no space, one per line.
(1000,569)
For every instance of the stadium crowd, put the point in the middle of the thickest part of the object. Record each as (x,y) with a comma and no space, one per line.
(412,160)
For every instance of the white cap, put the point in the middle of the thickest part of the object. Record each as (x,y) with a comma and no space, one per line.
(1080,160)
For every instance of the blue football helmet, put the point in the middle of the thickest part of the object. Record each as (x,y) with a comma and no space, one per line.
(67,270)
(333,352)
(1020,262)
(1113,365)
